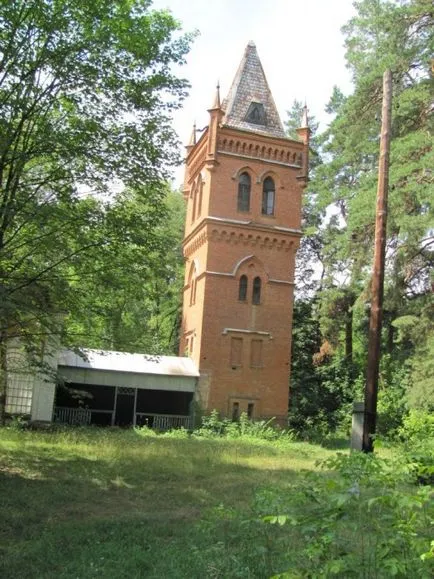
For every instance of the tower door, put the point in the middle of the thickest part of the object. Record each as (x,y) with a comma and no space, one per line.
(125,414)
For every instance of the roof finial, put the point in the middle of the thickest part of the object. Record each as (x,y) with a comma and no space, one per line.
(304,117)
(216,104)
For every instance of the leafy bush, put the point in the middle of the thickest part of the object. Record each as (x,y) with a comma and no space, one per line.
(359,519)
(392,401)
(214,426)
(417,426)
(417,437)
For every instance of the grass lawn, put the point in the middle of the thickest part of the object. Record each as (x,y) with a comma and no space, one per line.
(107,503)
(111,503)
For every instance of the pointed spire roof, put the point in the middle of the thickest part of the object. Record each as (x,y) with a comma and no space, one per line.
(250,104)
(216,104)
(304,117)
(192,141)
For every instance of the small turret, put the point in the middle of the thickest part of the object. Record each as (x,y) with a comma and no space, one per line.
(216,114)
(217,104)
(192,140)
(304,133)
(304,117)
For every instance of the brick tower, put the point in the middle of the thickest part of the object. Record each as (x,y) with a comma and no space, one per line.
(243,187)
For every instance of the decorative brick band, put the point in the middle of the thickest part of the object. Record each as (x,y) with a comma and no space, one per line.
(251,239)
(195,243)
(253,150)
(269,161)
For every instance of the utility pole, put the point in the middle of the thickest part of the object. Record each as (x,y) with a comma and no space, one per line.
(375,321)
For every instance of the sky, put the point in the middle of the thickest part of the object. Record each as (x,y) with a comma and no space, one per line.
(299,43)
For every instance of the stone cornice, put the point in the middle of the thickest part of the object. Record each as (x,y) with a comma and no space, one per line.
(254,225)
(258,136)
(243,331)
(239,231)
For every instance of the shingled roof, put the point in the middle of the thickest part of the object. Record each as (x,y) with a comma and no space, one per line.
(249,104)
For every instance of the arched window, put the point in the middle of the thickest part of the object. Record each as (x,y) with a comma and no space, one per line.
(242,289)
(268,193)
(244,184)
(256,294)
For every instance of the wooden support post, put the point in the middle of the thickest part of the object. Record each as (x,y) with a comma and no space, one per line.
(375,321)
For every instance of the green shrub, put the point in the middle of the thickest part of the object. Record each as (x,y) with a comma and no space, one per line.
(214,426)
(417,437)
(417,426)
(359,517)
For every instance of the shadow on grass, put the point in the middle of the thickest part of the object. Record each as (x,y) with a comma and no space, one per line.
(336,443)
(42,481)
(93,504)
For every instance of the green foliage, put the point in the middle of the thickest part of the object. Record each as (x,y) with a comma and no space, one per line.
(86,94)
(392,406)
(215,427)
(341,203)
(358,519)
(418,426)
(309,251)
(139,276)
(321,386)
(117,502)
(416,336)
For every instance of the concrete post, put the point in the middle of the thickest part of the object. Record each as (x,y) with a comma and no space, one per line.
(357,426)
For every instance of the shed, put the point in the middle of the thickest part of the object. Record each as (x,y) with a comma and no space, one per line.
(119,388)
(103,387)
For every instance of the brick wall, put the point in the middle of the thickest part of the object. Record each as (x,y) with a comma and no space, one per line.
(242,349)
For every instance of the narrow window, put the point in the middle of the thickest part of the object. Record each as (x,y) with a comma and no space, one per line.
(242,290)
(268,193)
(256,354)
(235,411)
(250,410)
(192,281)
(244,184)
(236,352)
(193,290)
(256,294)
(193,210)
(199,205)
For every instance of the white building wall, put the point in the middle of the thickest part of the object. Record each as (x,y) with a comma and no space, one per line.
(43,400)
(30,391)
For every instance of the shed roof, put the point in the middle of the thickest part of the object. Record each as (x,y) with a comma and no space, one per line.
(125,362)
(250,90)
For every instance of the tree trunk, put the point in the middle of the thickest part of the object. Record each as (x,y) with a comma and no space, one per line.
(3,374)
(349,336)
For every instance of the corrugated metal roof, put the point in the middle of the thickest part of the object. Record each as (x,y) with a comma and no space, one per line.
(125,362)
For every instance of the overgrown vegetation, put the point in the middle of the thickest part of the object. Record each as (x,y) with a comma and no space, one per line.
(86,95)
(332,312)
(88,105)
(133,503)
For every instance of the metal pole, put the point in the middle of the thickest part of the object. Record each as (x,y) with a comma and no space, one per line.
(375,321)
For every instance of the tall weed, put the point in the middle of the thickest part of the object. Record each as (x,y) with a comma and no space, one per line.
(359,517)
(213,426)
